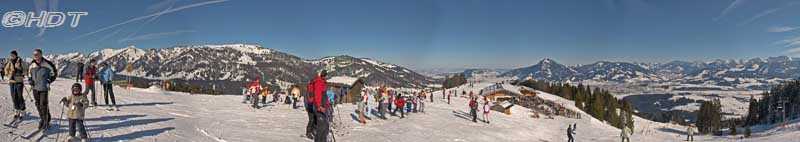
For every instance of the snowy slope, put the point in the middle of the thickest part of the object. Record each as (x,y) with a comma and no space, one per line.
(154,115)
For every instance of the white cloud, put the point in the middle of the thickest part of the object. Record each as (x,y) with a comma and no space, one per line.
(733,5)
(781,29)
(151,15)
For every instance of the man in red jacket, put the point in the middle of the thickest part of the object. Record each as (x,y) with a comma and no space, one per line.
(89,75)
(321,105)
(473,108)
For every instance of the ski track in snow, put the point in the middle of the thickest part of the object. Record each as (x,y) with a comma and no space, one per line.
(148,115)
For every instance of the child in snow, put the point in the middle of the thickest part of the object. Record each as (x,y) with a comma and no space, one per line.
(625,134)
(76,104)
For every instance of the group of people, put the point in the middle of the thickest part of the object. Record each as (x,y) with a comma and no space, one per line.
(40,74)
(89,73)
(473,108)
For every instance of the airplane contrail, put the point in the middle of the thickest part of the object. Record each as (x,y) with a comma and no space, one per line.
(148,16)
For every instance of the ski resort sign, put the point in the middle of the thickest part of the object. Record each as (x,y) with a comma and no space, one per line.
(43,19)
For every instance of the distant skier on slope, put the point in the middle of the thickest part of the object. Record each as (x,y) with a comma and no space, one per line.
(76,104)
(570,133)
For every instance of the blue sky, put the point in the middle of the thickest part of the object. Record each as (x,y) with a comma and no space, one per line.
(426,34)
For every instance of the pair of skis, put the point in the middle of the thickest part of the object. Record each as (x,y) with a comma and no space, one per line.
(14,122)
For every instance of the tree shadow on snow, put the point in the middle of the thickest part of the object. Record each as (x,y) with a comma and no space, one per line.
(122,124)
(134,135)
(145,104)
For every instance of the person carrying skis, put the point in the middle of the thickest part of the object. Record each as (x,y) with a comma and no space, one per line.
(107,79)
(473,108)
(76,104)
(89,76)
(14,69)
(570,133)
(321,105)
(41,72)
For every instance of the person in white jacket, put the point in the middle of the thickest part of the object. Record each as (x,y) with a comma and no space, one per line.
(486,109)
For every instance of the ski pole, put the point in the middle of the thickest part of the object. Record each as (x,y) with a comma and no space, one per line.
(61,118)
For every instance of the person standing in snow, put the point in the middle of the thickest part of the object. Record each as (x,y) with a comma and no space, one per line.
(308,103)
(321,106)
(14,69)
(570,133)
(473,108)
(448,98)
(264,93)
(486,109)
(246,93)
(107,79)
(76,104)
(79,76)
(399,102)
(255,90)
(89,76)
(690,132)
(625,134)
(41,72)
(295,96)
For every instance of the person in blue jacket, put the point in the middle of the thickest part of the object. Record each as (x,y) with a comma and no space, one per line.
(107,79)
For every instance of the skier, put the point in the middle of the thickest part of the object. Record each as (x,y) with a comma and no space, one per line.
(690,132)
(391,102)
(14,69)
(625,134)
(107,79)
(76,104)
(473,106)
(88,80)
(264,93)
(80,72)
(321,106)
(570,133)
(41,73)
(486,109)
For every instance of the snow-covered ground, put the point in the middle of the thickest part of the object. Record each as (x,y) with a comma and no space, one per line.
(154,115)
